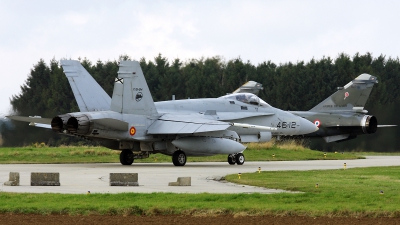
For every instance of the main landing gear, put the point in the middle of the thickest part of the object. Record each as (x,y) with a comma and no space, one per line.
(126,157)
(237,158)
(179,158)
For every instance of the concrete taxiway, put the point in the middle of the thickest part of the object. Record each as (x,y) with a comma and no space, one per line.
(154,177)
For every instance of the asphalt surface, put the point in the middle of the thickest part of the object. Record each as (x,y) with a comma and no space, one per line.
(154,177)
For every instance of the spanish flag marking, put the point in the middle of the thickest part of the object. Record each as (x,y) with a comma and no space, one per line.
(132,131)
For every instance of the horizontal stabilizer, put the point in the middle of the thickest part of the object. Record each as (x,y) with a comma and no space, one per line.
(34,119)
(48,126)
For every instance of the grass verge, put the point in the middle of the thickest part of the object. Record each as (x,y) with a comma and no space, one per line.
(350,192)
(40,153)
(353,192)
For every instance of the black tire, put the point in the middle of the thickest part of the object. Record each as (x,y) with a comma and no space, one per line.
(231,159)
(179,158)
(126,157)
(240,159)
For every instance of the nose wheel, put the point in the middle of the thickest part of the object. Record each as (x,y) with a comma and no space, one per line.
(237,158)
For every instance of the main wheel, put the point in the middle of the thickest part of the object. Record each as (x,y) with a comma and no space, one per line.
(231,159)
(240,159)
(179,158)
(126,157)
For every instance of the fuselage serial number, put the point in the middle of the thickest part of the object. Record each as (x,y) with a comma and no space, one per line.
(285,125)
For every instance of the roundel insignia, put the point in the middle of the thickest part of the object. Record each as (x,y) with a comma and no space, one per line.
(317,123)
(346,95)
(132,131)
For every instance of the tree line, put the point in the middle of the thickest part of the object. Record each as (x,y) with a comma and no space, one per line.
(288,86)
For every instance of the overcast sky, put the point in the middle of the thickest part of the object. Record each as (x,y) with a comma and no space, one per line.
(280,31)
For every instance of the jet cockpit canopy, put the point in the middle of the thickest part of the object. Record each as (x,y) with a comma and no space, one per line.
(246,98)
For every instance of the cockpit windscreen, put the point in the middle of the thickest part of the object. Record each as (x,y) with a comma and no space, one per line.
(247,98)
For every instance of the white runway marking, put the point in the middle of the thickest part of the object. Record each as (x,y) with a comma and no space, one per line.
(154,177)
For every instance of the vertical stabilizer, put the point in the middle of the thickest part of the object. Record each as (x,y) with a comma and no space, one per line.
(351,97)
(249,87)
(131,94)
(88,93)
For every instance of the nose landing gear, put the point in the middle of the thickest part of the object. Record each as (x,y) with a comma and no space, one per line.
(237,158)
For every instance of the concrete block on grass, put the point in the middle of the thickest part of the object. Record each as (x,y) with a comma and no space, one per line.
(45,179)
(182,181)
(13,180)
(124,179)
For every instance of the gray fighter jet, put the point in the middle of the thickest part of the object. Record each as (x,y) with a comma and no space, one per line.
(132,123)
(341,116)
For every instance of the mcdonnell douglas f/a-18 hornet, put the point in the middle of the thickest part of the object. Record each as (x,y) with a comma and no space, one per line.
(341,116)
(131,122)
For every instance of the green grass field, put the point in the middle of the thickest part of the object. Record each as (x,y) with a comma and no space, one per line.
(339,192)
(351,192)
(39,153)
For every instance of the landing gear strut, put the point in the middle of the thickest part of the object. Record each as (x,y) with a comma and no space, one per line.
(237,158)
(179,158)
(126,157)
(231,159)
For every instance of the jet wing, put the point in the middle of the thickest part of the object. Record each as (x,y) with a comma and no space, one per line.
(190,124)
(241,115)
(254,127)
(185,124)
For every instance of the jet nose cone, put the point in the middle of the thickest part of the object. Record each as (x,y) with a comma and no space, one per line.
(307,126)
